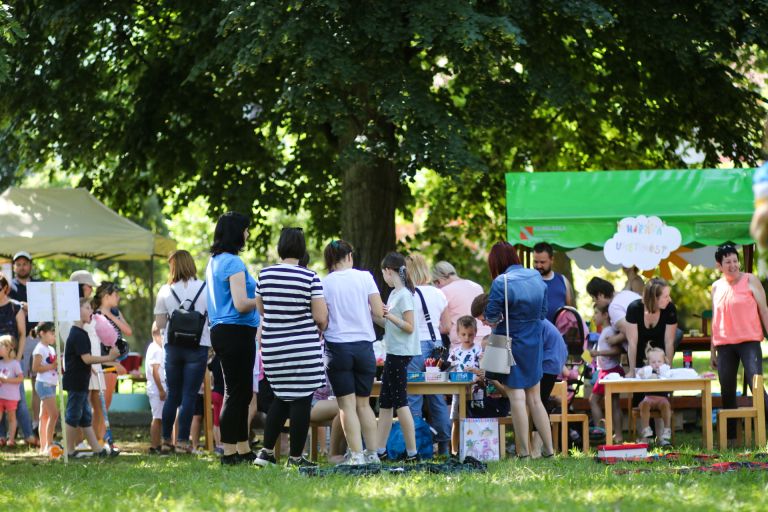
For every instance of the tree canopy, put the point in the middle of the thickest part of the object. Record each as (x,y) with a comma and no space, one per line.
(332,106)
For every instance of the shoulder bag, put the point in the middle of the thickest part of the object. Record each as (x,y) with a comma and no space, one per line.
(497,357)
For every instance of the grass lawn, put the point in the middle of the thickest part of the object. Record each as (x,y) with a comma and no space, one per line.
(140,482)
(135,481)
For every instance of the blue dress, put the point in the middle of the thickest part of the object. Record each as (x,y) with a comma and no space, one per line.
(527,295)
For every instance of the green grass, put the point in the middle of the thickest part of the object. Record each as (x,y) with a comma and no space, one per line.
(140,482)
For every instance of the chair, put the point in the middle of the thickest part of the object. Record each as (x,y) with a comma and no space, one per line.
(754,415)
(559,435)
(314,428)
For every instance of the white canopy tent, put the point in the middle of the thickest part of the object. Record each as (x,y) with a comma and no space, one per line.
(71,223)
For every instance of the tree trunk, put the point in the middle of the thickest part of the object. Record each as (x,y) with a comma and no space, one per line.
(369,196)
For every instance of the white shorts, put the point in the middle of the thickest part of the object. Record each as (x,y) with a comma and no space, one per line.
(157,407)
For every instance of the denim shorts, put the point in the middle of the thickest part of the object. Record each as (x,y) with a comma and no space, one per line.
(45,390)
(351,367)
(78,413)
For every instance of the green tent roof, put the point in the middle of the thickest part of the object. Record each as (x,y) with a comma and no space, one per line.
(582,209)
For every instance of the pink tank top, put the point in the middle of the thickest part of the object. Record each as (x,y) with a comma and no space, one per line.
(735,318)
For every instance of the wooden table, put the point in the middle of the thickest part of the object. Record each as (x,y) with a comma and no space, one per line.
(695,344)
(436,388)
(661,385)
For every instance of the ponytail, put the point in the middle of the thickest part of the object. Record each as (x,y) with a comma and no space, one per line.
(335,252)
(41,328)
(395,261)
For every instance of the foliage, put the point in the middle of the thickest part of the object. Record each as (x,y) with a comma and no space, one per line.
(332,106)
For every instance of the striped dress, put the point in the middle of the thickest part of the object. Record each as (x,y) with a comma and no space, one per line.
(290,341)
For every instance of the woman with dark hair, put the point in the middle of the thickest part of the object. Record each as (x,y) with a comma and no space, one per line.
(290,300)
(184,365)
(233,319)
(106,300)
(353,302)
(526,295)
(739,315)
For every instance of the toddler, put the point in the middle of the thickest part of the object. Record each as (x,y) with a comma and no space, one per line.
(44,364)
(463,358)
(10,378)
(156,387)
(608,361)
(655,368)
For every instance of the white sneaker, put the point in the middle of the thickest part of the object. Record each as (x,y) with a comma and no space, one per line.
(354,459)
(666,437)
(646,433)
(371,457)
(83,447)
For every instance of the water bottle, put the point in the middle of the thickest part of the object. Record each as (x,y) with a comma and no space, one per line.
(687,359)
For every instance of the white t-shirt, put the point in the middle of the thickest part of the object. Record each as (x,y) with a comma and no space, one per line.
(436,304)
(349,315)
(186,291)
(617,309)
(606,362)
(155,355)
(48,353)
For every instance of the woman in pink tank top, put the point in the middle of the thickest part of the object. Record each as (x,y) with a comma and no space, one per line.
(739,313)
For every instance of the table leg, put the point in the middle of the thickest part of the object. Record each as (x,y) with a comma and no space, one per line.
(462,403)
(706,415)
(609,416)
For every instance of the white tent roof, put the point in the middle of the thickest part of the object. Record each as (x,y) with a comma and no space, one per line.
(64,223)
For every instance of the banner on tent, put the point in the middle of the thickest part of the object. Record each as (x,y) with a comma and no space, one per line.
(642,242)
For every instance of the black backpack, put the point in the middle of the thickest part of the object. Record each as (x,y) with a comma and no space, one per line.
(185,326)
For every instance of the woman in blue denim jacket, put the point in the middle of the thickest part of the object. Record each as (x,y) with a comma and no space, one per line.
(527,297)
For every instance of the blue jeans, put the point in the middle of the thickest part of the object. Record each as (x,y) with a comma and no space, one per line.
(438,409)
(184,372)
(23,414)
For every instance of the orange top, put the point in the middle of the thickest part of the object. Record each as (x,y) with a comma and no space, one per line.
(735,318)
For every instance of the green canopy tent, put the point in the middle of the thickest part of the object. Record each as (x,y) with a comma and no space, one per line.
(573,210)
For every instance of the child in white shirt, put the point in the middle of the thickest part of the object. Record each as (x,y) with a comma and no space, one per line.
(608,361)
(463,358)
(156,387)
(655,368)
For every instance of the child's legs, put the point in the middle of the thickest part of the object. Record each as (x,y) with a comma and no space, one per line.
(48,417)
(11,425)
(596,405)
(394,395)
(155,432)
(618,435)
(663,405)
(645,413)
(385,426)
(408,428)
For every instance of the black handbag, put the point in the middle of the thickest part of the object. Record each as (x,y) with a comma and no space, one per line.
(439,354)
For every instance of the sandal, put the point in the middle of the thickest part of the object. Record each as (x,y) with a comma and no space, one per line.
(596,432)
(167,449)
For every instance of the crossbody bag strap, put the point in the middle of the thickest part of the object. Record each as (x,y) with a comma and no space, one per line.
(506,306)
(426,315)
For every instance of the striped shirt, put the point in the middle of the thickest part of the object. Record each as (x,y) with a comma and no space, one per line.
(290,341)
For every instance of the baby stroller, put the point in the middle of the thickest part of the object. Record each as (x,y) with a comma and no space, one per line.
(574,330)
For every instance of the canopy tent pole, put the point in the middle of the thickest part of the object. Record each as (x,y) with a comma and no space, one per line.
(151,287)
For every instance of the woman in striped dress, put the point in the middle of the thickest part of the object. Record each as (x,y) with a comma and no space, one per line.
(290,299)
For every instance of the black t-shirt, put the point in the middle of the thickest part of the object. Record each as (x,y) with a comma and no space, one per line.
(655,335)
(77,374)
(8,323)
(19,293)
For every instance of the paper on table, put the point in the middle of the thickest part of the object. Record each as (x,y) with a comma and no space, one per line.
(40,301)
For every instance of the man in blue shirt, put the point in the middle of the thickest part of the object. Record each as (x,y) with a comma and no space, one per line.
(559,290)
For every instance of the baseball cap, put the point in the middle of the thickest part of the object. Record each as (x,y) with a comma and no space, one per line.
(22,254)
(83,277)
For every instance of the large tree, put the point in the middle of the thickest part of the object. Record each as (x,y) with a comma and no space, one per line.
(332,105)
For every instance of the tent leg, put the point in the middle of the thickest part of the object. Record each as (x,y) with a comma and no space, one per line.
(151,288)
